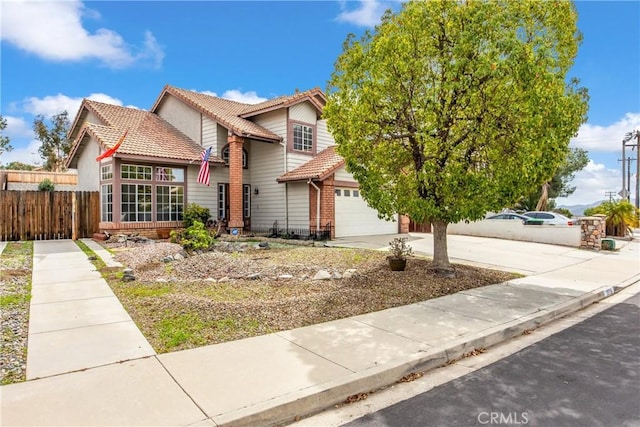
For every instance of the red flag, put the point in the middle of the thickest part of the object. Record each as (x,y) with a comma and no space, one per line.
(110,152)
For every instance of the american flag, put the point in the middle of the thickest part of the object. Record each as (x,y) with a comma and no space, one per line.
(203,176)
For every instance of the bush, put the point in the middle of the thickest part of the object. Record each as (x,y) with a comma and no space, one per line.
(622,216)
(46,185)
(194,238)
(194,213)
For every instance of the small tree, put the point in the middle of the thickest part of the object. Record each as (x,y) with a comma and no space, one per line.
(55,145)
(451,109)
(5,144)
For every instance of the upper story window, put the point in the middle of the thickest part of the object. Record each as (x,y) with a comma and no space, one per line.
(302,137)
(225,156)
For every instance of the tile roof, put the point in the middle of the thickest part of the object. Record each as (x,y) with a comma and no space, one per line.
(314,95)
(223,111)
(233,115)
(318,168)
(149,135)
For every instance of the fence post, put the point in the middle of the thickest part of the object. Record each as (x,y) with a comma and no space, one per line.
(74,219)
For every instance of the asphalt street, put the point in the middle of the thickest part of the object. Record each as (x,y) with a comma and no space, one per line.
(586,375)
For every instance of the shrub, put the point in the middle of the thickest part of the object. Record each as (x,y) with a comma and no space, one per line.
(193,213)
(195,238)
(46,185)
(622,216)
(399,249)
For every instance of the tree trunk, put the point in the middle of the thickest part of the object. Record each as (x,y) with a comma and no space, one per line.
(441,262)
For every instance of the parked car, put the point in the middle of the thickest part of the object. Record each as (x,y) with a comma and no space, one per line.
(511,216)
(550,218)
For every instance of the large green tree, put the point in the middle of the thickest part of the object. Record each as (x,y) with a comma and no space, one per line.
(560,183)
(55,145)
(5,143)
(450,109)
(17,166)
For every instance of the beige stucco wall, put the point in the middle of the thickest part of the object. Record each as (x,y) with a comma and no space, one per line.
(181,116)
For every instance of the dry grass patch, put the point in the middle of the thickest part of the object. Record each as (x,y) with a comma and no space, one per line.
(207,299)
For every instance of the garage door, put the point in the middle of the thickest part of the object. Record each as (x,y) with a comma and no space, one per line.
(355,218)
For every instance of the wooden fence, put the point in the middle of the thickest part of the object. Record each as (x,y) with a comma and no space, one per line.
(44,215)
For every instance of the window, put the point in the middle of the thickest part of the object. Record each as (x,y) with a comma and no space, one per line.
(302,138)
(246,201)
(347,193)
(222,199)
(169,202)
(106,202)
(225,156)
(106,173)
(338,192)
(165,174)
(137,172)
(355,193)
(136,202)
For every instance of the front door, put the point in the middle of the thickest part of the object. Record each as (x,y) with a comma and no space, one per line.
(223,211)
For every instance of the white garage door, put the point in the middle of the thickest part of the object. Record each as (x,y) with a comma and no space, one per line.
(355,218)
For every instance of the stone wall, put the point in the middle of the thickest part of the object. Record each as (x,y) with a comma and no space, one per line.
(592,231)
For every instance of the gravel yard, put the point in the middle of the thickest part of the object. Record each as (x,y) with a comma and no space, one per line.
(221,296)
(15,295)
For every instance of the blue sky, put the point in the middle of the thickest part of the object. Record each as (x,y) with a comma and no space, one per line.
(54,54)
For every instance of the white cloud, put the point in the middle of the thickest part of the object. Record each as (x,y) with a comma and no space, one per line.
(368,13)
(26,154)
(54,31)
(249,97)
(606,138)
(591,184)
(17,127)
(55,104)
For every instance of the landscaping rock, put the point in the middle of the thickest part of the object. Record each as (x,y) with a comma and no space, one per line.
(337,275)
(322,275)
(210,279)
(254,276)
(168,258)
(348,274)
(178,257)
(285,277)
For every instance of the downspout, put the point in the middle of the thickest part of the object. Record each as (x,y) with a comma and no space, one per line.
(317,204)
(286,190)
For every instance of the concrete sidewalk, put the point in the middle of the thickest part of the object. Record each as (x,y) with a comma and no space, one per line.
(75,320)
(274,378)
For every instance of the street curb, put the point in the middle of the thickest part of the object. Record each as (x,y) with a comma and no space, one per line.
(303,403)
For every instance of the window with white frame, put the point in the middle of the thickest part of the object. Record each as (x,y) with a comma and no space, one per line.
(302,137)
(224,154)
(246,200)
(106,202)
(169,202)
(167,174)
(106,173)
(136,202)
(222,201)
(135,172)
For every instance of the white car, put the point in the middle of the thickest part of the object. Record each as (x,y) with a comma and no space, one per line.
(551,218)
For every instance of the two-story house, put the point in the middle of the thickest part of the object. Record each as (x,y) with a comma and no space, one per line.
(271,162)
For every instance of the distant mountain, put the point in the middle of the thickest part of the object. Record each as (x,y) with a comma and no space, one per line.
(578,210)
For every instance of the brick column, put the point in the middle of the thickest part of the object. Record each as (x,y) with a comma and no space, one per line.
(327,205)
(235,182)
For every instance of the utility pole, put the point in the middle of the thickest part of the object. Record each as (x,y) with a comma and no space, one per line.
(628,142)
(610,195)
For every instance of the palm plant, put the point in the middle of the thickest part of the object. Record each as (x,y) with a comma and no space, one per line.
(622,216)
